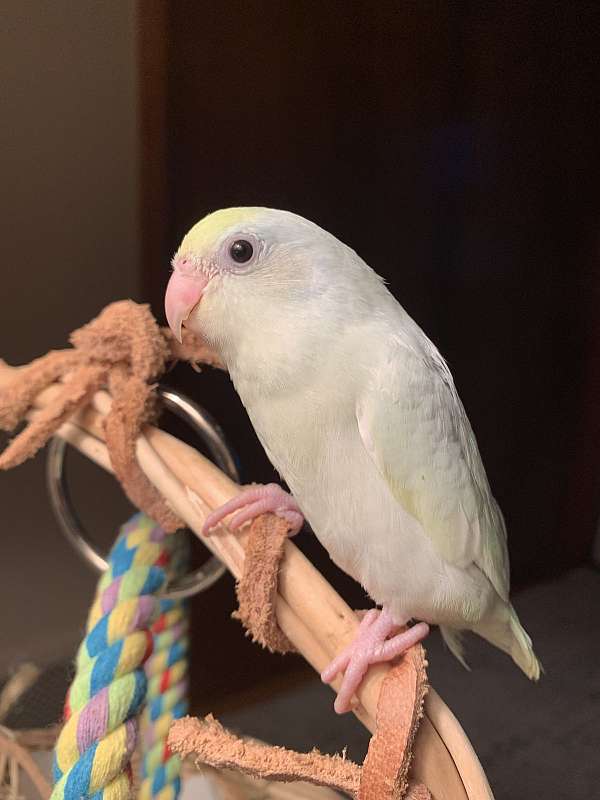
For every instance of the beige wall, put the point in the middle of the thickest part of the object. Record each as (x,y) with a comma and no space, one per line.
(69,245)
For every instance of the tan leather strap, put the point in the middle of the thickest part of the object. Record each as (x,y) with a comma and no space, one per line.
(257,589)
(123,349)
(384,773)
(210,743)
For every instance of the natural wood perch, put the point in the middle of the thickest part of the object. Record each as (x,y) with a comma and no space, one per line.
(16,757)
(310,613)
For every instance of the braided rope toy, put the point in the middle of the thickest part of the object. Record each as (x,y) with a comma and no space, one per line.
(166,670)
(126,623)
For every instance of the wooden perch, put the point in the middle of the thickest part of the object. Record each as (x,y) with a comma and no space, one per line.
(13,758)
(310,613)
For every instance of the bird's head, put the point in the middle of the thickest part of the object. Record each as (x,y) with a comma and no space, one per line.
(261,278)
(240,272)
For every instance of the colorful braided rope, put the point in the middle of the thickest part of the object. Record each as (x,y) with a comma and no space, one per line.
(125,624)
(166,670)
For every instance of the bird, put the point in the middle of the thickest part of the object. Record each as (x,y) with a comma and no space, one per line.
(359,414)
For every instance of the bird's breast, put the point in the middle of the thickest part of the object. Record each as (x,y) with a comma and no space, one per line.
(348,505)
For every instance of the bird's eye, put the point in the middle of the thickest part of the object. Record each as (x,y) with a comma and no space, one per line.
(241,251)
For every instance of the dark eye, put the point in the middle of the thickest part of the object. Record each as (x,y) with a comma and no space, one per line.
(241,251)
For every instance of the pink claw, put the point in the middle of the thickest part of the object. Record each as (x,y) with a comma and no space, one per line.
(370,646)
(252,502)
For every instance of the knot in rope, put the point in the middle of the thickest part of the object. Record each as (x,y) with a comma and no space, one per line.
(123,350)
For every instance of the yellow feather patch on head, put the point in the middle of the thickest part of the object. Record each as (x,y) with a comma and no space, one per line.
(206,233)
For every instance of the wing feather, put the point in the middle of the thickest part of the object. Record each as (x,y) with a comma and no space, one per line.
(416,431)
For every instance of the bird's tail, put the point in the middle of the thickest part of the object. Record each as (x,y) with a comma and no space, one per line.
(503,629)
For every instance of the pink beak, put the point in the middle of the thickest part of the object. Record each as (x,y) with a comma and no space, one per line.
(183,294)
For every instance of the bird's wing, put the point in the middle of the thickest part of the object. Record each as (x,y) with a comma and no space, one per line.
(416,431)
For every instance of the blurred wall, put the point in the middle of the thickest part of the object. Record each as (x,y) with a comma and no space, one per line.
(69,245)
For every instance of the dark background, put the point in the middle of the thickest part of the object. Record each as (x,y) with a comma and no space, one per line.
(455,147)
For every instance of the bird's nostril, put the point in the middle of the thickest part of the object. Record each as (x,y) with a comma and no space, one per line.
(185,264)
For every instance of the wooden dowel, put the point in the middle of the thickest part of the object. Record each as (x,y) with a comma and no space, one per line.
(20,757)
(332,625)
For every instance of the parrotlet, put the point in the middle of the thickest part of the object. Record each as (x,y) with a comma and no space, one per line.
(358,412)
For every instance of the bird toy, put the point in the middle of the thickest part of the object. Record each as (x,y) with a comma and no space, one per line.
(418,749)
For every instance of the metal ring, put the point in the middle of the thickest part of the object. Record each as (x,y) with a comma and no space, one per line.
(214,439)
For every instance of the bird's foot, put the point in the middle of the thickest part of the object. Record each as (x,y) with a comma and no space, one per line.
(370,646)
(254,501)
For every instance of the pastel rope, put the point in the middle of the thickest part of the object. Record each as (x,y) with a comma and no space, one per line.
(94,749)
(167,673)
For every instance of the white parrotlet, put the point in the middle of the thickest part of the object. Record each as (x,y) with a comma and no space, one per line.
(358,412)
